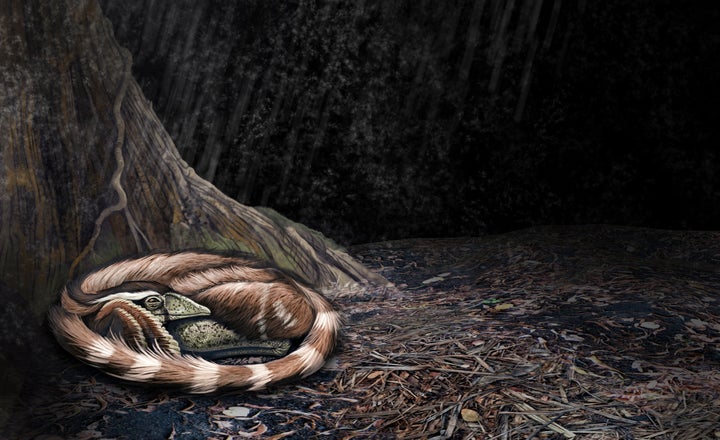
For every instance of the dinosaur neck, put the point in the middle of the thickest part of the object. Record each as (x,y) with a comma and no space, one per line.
(135,286)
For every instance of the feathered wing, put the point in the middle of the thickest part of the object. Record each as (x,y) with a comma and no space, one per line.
(257,301)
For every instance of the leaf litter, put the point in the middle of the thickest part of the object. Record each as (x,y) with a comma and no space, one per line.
(592,332)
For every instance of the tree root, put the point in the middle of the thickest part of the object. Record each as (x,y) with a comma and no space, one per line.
(115,181)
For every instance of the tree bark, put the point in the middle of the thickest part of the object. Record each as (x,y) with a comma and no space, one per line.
(88,173)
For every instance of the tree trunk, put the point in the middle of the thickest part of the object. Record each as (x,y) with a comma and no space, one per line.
(88,173)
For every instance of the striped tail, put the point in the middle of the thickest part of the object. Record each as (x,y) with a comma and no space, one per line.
(259,302)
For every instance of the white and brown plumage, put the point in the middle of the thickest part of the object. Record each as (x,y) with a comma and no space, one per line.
(257,301)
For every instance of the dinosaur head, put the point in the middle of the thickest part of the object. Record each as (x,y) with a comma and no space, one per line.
(166,306)
(171,306)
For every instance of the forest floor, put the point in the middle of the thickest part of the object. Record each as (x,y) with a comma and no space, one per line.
(585,332)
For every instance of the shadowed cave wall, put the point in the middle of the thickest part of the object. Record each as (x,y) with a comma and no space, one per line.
(377,120)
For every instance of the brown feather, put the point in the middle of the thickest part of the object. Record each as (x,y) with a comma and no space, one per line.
(127,342)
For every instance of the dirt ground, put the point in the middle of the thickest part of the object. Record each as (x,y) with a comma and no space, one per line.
(586,332)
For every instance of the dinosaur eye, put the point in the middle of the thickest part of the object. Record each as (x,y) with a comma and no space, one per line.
(153,302)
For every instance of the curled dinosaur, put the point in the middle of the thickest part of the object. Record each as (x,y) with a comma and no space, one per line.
(132,319)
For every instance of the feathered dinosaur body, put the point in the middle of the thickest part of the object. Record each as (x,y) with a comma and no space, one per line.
(99,322)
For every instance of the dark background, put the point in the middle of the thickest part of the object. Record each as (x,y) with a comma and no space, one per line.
(383,119)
